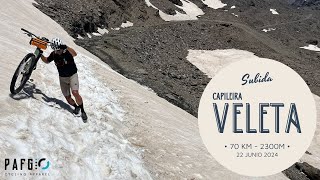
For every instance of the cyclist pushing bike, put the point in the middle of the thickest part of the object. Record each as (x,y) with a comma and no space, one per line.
(63,58)
(68,76)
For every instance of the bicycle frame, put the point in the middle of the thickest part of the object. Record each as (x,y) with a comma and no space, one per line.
(38,52)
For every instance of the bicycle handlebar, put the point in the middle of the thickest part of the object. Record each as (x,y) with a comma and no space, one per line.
(30,34)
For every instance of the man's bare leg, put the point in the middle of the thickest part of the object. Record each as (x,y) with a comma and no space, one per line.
(73,103)
(77,96)
(79,101)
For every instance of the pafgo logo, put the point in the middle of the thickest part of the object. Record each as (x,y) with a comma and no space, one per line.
(26,164)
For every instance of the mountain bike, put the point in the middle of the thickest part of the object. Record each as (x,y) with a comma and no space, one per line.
(28,63)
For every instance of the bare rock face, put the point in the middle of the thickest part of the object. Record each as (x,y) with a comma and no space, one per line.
(176,2)
(301,3)
(81,17)
(310,171)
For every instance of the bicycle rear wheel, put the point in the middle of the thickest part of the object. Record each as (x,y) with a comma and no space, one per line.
(22,73)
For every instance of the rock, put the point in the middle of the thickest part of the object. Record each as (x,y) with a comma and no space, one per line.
(142,71)
(251,3)
(294,174)
(170,11)
(310,171)
(176,2)
(307,152)
(302,3)
(171,97)
(313,42)
(225,25)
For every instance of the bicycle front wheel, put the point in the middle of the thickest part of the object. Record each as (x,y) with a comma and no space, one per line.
(22,73)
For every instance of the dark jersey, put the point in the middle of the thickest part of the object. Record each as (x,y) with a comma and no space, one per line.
(65,63)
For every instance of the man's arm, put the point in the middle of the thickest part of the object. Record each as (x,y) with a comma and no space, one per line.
(44,59)
(72,51)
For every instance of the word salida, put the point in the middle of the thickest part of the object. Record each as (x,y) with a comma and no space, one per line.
(293,117)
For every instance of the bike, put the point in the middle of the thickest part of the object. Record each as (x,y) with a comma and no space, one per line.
(28,63)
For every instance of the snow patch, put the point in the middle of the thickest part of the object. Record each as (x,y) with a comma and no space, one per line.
(269,29)
(126,24)
(273,11)
(89,36)
(79,37)
(235,14)
(214,4)
(210,62)
(115,29)
(149,4)
(191,10)
(311,47)
(96,34)
(232,7)
(198,176)
(103,31)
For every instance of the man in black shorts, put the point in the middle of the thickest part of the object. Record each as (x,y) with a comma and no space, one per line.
(63,59)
